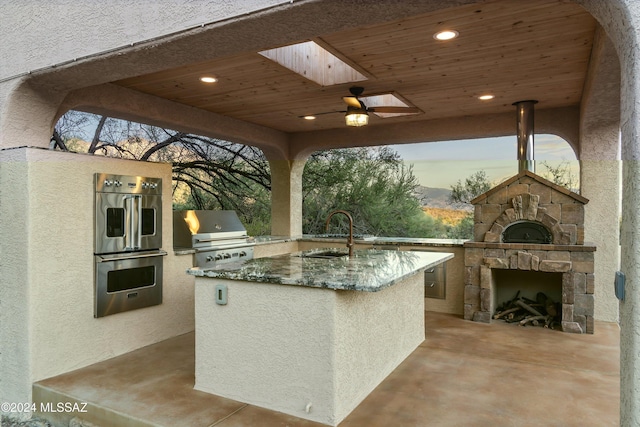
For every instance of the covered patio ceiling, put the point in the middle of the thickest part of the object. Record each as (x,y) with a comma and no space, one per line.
(513,50)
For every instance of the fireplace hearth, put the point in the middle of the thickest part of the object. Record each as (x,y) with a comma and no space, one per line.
(530,225)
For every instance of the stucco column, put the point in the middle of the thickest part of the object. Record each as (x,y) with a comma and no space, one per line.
(600,183)
(600,170)
(16,362)
(20,103)
(630,236)
(621,21)
(26,117)
(286,197)
(630,239)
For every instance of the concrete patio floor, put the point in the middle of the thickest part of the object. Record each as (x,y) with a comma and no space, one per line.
(463,374)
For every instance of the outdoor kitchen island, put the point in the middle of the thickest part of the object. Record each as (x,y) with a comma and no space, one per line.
(310,334)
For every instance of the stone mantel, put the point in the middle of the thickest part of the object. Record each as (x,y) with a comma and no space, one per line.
(587,247)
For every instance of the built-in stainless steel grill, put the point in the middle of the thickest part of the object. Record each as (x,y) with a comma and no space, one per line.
(218,237)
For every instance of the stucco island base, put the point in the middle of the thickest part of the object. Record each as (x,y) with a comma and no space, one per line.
(310,352)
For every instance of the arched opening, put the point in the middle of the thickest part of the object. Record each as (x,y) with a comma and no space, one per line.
(208,173)
(441,177)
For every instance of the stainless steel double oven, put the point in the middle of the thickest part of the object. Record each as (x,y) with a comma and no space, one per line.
(128,240)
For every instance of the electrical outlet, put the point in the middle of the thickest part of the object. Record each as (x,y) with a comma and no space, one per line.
(221,294)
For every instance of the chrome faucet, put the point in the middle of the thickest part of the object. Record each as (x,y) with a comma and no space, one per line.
(350,238)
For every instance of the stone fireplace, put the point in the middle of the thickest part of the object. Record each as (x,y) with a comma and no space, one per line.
(530,226)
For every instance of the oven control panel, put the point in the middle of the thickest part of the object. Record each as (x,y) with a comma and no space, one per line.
(217,257)
(109,183)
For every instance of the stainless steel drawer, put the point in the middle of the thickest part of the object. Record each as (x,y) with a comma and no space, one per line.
(435,282)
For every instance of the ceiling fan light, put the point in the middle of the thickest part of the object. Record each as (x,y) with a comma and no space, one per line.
(356,118)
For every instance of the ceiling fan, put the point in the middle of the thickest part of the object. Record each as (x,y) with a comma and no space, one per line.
(357,113)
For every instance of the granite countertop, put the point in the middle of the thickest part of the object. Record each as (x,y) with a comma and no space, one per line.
(414,241)
(263,240)
(369,270)
(326,238)
(375,240)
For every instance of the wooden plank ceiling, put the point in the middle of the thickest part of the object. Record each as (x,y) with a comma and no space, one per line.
(514,49)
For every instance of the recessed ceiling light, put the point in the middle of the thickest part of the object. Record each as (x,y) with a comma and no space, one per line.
(208,79)
(446,35)
(309,117)
(486,97)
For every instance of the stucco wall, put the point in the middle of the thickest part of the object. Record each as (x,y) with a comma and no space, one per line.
(50,278)
(246,352)
(99,26)
(284,347)
(369,346)
(15,357)
(602,227)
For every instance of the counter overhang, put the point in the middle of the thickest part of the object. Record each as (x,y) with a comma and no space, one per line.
(369,270)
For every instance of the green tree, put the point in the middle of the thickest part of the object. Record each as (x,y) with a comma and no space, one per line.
(561,175)
(373,185)
(463,230)
(472,187)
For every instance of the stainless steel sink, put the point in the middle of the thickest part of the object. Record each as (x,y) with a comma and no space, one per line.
(326,255)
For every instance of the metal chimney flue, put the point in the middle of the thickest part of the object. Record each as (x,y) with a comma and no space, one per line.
(525,121)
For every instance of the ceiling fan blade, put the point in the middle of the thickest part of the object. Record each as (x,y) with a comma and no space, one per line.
(352,101)
(322,113)
(395,110)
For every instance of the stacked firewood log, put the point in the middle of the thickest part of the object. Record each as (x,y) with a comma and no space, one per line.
(524,311)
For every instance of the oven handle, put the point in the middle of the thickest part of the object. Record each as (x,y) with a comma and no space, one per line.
(120,257)
(129,238)
(138,202)
(133,204)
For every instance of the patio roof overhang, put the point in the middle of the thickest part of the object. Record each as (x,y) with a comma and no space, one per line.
(541,50)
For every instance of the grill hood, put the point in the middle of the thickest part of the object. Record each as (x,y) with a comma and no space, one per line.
(207,229)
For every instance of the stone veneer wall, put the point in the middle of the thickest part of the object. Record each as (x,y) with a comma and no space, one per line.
(528,197)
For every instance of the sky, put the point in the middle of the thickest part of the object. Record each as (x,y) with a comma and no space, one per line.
(442,164)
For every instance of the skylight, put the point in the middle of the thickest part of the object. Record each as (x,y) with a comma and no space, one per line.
(385,100)
(315,63)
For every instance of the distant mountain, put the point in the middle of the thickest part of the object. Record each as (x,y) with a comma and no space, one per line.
(439,198)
